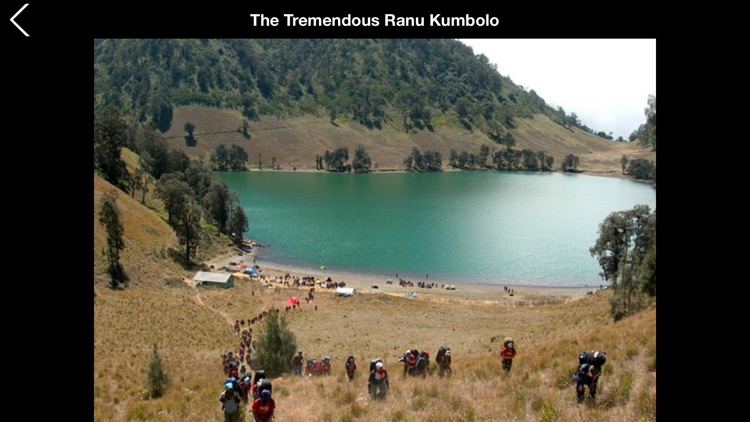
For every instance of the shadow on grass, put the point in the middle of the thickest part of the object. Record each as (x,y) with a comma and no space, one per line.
(179,258)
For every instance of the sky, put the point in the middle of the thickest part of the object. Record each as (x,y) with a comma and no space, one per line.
(605,82)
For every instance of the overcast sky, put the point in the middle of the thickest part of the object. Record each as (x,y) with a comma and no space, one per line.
(605,82)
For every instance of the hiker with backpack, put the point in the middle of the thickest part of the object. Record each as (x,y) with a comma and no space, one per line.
(410,361)
(260,383)
(507,353)
(297,361)
(377,384)
(263,407)
(245,383)
(588,372)
(350,366)
(443,360)
(230,403)
(233,371)
(422,364)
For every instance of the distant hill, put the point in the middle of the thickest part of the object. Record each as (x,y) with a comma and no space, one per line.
(303,96)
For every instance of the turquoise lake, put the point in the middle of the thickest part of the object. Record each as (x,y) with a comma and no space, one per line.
(485,227)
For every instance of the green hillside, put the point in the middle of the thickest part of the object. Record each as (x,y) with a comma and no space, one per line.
(298,98)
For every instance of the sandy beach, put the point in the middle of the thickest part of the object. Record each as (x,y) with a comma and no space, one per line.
(379,283)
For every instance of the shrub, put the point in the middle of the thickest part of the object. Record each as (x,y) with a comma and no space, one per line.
(276,345)
(158,378)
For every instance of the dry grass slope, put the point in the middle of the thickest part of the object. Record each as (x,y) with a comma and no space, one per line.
(193,327)
(296,141)
(147,239)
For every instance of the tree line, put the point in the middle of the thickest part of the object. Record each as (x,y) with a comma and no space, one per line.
(505,159)
(229,159)
(336,161)
(428,161)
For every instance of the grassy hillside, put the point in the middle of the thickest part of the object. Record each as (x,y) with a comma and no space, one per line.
(296,141)
(148,239)
(193,328)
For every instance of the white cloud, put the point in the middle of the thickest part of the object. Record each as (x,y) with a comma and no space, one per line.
(606,82)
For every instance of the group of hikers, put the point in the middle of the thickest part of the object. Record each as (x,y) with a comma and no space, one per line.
(241,385)
(238,386)
(248,388)
(258,391)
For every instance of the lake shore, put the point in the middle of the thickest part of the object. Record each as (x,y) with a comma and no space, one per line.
(273,273)
(610,174)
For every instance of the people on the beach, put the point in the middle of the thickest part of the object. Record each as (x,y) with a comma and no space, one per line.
(507,353)
(588,372)
(377,384)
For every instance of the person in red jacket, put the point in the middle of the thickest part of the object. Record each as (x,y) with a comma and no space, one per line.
(263,407)
(507,353)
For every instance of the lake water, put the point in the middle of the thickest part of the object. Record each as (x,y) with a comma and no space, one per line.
(486,227)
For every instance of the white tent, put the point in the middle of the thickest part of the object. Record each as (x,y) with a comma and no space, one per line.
(345,291)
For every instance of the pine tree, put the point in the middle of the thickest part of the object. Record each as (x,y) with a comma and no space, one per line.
(109,217)
(276,345)
(157,376)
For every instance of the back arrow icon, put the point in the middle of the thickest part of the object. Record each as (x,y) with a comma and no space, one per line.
(14,22)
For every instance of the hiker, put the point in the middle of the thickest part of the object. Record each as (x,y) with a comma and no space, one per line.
(423,363)
(443,360)
(325,365)
(588,372)
(230,400)
(410,361)
(233,371)
(263,407)
(260,383)
(297,364)
(377,384)
(246,385)
(350,366)
(507,353)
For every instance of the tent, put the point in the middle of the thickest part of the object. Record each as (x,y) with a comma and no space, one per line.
(293,301)
(345,291)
